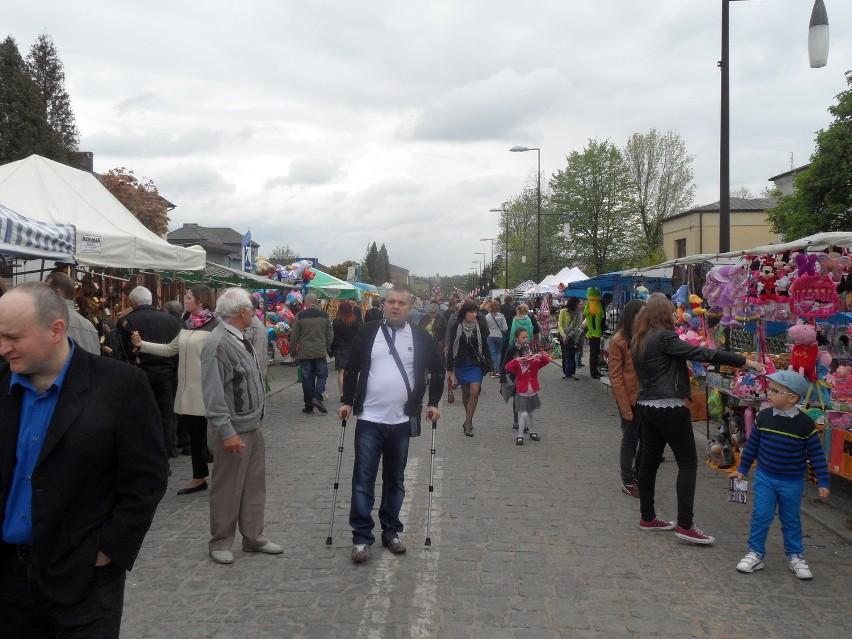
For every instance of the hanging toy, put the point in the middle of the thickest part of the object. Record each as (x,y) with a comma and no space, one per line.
(593,312)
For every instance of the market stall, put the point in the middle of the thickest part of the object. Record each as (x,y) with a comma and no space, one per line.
(27,238)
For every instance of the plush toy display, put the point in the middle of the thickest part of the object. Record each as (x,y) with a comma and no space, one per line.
(593,311)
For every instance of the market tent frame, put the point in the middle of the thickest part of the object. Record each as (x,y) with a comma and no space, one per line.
(25,237)
(219,275)
(108,235)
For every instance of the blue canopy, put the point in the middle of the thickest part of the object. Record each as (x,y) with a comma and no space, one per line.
(618,284)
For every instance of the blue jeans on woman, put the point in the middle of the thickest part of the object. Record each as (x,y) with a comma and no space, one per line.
(387,443)
(495,345)
(787,495)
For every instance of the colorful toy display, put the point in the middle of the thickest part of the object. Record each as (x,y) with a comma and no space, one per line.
(593,311)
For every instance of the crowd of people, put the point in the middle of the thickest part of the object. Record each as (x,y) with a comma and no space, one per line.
(96,435)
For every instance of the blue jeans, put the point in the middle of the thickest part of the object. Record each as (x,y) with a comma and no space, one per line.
(569,363)
(372,443)
(495,345)
(314,374)
(787,495)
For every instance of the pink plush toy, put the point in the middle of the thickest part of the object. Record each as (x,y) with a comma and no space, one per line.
(806,263)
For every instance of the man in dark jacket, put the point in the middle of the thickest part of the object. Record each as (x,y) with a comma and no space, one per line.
(82,470)
(311,339)
(375,311)
(153,325)
(375,390)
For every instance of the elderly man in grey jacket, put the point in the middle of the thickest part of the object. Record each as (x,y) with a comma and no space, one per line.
(234,400)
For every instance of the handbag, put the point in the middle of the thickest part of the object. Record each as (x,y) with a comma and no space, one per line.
(413,420)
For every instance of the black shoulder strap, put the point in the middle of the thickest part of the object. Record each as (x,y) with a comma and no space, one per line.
(396,358)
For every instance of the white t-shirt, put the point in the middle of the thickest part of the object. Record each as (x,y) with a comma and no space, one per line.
(385,396)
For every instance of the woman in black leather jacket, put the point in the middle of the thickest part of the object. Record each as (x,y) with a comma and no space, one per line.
(659,358)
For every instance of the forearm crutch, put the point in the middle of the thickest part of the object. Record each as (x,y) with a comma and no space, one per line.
(336,480)
(431,487)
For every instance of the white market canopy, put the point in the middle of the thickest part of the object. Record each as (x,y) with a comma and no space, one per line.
(22,237)
(817,242)
(108,234)
(550,284)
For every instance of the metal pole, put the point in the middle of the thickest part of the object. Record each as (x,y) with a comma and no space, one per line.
(538,223)
(725,139)
(506,211)
(431,488)
(337,480)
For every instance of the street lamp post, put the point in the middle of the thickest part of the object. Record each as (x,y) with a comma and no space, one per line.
(482,272)
(818,54)
(522,149)
(505,213)
(490,239)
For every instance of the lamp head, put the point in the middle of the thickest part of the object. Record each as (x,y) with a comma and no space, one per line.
(818,36)
(519,149)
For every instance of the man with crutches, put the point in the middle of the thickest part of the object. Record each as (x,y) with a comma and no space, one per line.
(384,386)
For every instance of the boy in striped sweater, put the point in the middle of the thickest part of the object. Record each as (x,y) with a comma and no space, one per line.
(782,441)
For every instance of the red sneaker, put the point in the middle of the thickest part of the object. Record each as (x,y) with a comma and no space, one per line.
(694,535)
(657,524)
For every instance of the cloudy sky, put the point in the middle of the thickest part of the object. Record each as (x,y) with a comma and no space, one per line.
(325,125)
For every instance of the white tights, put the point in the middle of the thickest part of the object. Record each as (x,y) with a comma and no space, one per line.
(526,420)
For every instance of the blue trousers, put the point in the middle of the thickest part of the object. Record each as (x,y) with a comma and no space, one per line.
(495,345)
(387,443)
(314,375)
(770,492)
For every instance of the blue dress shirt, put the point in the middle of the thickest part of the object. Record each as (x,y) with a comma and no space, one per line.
(36,412)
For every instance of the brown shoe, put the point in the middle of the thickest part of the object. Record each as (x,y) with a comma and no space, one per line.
(320,406)
(361,553)
(394,545)
(630,489)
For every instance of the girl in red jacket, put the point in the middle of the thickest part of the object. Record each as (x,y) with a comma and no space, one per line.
(525,368)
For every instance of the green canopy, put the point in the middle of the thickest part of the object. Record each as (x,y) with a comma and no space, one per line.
(216,276)
(329,287)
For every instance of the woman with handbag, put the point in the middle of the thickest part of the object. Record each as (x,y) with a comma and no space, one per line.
(468,358)
(497,329)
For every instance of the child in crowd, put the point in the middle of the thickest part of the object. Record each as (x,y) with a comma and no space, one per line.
(782,441)
(524,367)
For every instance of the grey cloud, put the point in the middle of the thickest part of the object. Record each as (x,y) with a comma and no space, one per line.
(153,145)
(140,102)
(309,171)
(495,108)
(192,182)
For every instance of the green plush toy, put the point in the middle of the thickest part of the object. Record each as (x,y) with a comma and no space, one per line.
(593,312)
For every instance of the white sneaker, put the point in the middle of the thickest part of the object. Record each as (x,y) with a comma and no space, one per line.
(267,549)
(800,568)
(222,556)
(751,562)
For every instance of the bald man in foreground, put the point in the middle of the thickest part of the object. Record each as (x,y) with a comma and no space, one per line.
(82,470)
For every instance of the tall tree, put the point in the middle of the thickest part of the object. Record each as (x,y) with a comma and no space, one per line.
(283,255)
(594,189)
(24,129)
(140,198)
(823,197)
(660,177)
(47,72)
(373,266)
(384,260)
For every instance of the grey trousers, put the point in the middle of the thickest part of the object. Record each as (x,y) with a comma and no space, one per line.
(238,496)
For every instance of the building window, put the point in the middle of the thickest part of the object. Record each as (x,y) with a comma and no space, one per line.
(680,247)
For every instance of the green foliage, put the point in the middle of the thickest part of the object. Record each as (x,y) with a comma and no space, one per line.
(283,255)
(373,270)
(46,70)
(340,271)
(24,129)
(823,197)
(660,177)
(384,263)
(594,189)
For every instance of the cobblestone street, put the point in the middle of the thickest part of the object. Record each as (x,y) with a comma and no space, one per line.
(527,541)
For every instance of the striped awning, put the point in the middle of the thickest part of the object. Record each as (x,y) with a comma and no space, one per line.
(24,237)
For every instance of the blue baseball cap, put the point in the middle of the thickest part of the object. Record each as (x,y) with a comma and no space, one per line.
(792,381)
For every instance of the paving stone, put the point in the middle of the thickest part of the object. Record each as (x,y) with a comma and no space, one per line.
(528,542)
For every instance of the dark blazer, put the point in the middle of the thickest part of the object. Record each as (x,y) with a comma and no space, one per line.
(484,356)
(100,475)
(426,358)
